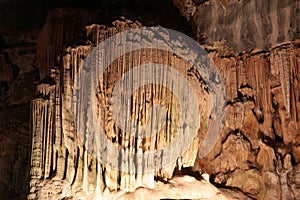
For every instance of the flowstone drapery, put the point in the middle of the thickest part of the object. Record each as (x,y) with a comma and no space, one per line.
(66,159)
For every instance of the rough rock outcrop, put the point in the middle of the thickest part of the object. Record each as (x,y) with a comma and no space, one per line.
(260,142)
(243,24)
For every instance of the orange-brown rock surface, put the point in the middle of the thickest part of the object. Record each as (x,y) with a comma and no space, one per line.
(256,157)
(258,146)
(58,154)
(257,151)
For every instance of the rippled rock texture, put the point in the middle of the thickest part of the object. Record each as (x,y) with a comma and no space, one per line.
(243,24)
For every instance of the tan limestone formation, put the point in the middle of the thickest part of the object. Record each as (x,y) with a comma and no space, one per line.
(258,147)
(257,153)
(59,158)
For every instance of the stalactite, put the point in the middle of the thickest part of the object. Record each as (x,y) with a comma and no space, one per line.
(71,156)
(263,109)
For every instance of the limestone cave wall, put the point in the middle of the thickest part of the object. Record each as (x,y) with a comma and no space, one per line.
(255,45)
